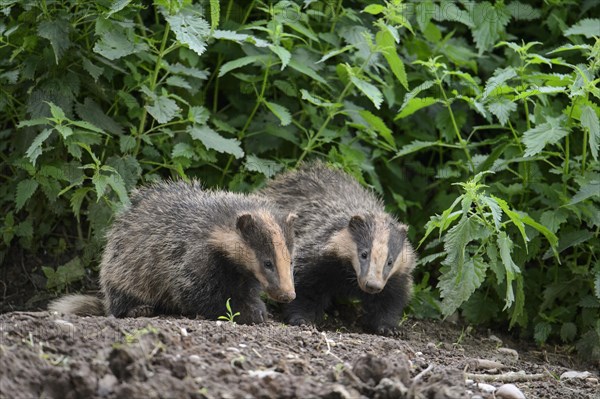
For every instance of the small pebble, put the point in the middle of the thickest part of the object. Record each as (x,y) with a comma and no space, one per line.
(195,359)
(184,332)
(232,349)
(418,354)
(487,388)
(509,391)
(495,339)
(592,380)
(243,345)
(476,397)
(510,352)
(106,385)
(570,375)
(65,326)
(263,373)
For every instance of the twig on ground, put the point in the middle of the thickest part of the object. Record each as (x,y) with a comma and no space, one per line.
(507,377)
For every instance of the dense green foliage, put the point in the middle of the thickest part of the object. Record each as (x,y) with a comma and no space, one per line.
(477,122)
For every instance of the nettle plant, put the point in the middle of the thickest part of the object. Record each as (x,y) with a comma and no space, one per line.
(474,120)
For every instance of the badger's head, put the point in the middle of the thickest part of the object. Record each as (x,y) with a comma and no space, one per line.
(377,248)
(262,243)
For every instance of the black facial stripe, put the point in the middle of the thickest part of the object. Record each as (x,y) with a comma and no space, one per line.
(361,231)
(261,242)
(395,244)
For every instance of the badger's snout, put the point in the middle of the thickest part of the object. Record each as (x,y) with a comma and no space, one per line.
(373,286)
(286,297)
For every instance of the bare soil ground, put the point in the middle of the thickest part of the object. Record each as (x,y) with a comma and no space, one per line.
(52,356)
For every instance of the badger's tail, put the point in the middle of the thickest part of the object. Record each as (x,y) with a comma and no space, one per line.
(83,305)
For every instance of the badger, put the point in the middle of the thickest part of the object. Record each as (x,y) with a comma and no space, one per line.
(180,249)
(346,246)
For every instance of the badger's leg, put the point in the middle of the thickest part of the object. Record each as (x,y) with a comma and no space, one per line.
(315,287)
(252,311)
(121,304)
(383,311)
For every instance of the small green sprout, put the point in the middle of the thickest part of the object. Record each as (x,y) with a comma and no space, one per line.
(230,317)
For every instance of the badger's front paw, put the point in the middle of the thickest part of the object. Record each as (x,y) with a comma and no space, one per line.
(299,320)
(253,314)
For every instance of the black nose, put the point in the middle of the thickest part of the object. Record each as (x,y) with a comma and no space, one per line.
(286,297)
(373,287)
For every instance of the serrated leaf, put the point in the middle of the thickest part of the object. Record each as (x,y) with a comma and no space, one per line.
(57,32)
(505,246)
(490,21)
(178,81)
(24,229)
(280,112)
(190,28)
(266,167)
(126,143)
(57,113)
(164,109)
(589,120)
(448,11)
(542,331)
(588,27)
(213,140)
(501,108)
(215,12)
(550,132)
(415,104)
(514,217)
(334,52)
(590,189)
(116,182)
(368,90)
(187,71)
(314,100)
(415,146)
(500,77)
(305,70)
(379,126)
(568,332)
(94,70)
(95,119)
(522,12)
(115,44)
(284,55)
(117,6)
(374,9)
(387,44)
(100,183)
(495,209)
(25,189)
(240,62)
(77,200)
(183,150)
(35,149)
(240,38)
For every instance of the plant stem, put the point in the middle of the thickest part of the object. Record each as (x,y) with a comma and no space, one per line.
(462,142)
(584,155)
(152,87)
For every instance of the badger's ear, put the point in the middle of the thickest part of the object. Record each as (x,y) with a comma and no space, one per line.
(291,218)
(244,222)
(356,222)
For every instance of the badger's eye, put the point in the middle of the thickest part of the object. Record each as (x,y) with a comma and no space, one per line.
(268,265)
(364,254)
(389,262)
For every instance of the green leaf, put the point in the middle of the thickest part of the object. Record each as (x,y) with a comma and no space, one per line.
(116,182)
(490,21)
(178,81)
(35,149)
(588,27)
(280,112)
(240,62)
(115,44)
(589,120)
(126,143)
(500,77)
(100,183)
(387,45)
(215,12)
(415,146)
(590,189)
(505,246)
(25,189)
(117,6)
(368,90)
(24,229)
(501,108)
(374,9)
(379,126)
(550,132)
(415,104)
(57,32)
(57,113)
(190,28)
(314,100)
(77,200)
(514,217)
(164,109)
(212,140)
(448,11)
(305,70)
(183,150)
(522,12)
(542,331)
(266,167)
(284,55)
(568,332)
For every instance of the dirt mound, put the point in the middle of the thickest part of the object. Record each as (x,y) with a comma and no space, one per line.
(43,355)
